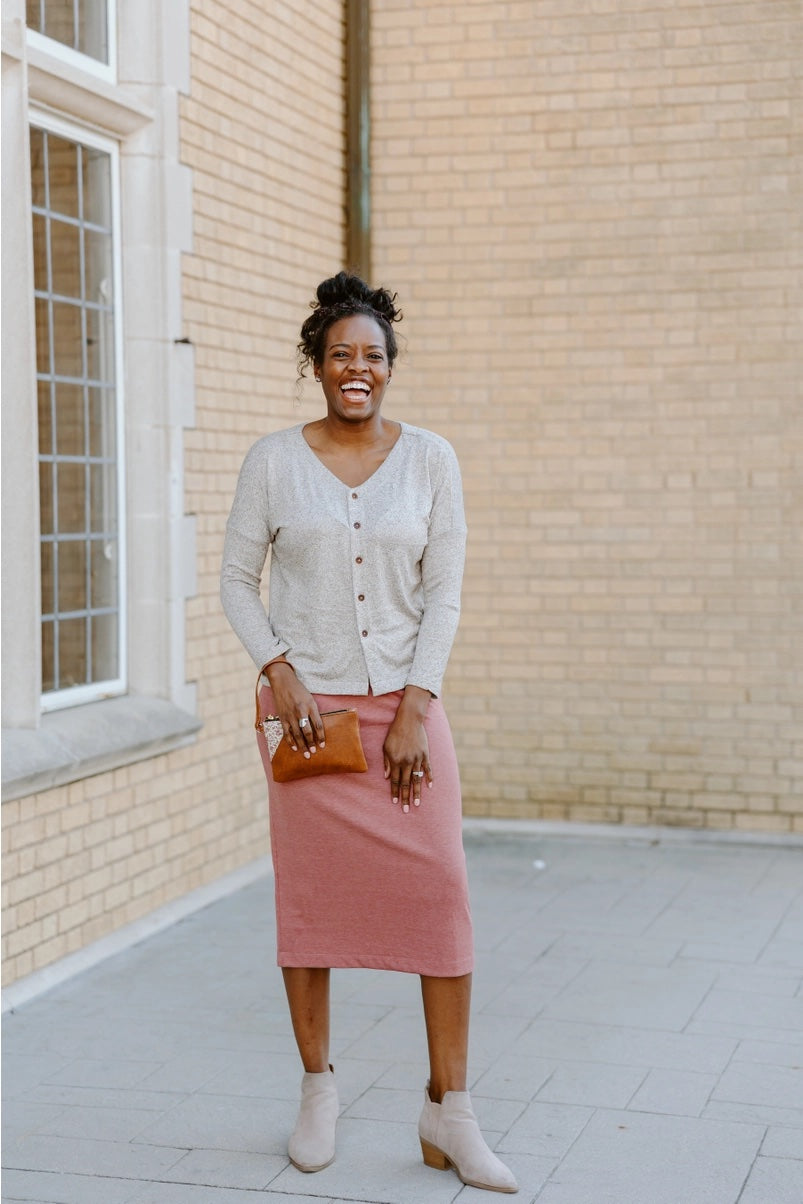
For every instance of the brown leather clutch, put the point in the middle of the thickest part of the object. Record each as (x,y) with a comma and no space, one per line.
(342,751)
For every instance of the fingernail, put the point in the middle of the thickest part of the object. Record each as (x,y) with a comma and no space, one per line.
(395,800)
(323,744)
(294,747)
(406,807)
(417,802)
(430,785)
(313,748)
(306,754)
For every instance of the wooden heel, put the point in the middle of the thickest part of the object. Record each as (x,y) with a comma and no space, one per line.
(433,1156)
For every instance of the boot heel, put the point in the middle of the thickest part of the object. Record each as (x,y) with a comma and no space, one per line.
(433,1156)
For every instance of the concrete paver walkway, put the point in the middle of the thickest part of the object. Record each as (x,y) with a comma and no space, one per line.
(637,1039)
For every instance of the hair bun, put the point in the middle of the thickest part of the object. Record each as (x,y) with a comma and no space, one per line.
(346,287)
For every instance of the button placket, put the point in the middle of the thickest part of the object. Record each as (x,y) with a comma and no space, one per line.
(356,516)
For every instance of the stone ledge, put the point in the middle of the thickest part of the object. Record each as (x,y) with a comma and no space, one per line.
(87,740)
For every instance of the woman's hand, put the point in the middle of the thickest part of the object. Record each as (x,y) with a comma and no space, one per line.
(406,749)
(297,709)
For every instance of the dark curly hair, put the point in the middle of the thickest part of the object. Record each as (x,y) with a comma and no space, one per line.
(342,296)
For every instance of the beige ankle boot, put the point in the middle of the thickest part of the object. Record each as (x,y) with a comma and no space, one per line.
(450,1136)
(312,1144)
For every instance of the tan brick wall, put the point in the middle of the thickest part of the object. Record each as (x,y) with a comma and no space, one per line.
(263,130)
(592,216)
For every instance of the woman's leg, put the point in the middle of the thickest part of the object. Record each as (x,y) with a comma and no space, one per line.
(312,1143)
(308,997)
(447,1002)
(448,1129)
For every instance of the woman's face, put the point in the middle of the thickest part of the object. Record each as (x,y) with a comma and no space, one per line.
(355,370)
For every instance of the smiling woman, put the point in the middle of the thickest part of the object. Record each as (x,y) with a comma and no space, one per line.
(363,519)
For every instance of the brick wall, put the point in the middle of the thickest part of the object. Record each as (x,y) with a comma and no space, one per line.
(263,131)
(591,214)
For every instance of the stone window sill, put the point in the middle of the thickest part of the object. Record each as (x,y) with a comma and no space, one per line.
(83,741)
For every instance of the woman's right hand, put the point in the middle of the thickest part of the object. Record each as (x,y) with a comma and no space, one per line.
(293,702)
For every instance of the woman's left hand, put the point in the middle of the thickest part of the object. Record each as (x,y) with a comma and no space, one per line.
(406,749)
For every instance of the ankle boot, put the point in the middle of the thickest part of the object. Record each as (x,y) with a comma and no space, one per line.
(312,1144)
(450,1136)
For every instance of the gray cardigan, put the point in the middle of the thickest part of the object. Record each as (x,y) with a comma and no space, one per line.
(364,582)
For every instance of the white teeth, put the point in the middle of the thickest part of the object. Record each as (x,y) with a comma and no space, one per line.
(355,386)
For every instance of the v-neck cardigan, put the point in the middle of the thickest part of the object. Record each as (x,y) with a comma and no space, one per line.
(364,581)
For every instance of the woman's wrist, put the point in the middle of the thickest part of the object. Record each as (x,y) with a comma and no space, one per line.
(276,668)
(415,701)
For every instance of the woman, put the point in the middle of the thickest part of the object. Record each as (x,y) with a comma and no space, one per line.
(364,520)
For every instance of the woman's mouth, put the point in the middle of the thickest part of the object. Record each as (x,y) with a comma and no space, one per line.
(355,390)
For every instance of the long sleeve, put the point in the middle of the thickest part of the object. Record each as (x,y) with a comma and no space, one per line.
(244,559)
(441,577)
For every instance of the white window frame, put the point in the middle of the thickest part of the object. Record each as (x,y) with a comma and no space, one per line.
(45,747)
(75,58)
(55,700)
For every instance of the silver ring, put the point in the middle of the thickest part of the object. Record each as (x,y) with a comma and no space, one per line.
(304,722)
(418,773)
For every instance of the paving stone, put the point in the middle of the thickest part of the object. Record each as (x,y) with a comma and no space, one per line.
(224,1122)
(226,1168)
(624,1046)
(779,1180)
(777,1086)
(547,1130)
(44,1187)
(675,1092)
(748,1010)
(631,1158)
(783,1143)
(85,1157)
(592,1084)
(100,1124)
(641,996)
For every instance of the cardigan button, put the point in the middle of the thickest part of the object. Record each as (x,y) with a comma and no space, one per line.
(356,526)
(360,597)
(358,560)
(365,633)
(355,495)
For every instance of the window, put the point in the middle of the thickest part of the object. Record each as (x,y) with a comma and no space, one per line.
(73,186)
(82,25)
(98,568)
(80,33)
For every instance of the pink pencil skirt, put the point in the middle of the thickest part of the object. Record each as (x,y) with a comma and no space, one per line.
(358,882)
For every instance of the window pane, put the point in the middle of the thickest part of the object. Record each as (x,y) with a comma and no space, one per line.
(97,190)
(80,24)
(45,418)
(71,497)
(65,251)
(102,424)
(104,647)
(72,574)
(103,508)
(42,337)
(104,573)
(39,253)
(99,345)
(38,167)
(68,359)
(48,657)
(62,175)
(46,499)
(72,653)
(48,579)
(98,266)
(70,430)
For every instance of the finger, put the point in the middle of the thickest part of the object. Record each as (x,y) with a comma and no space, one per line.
(296,737)
(291,739)
(427,768)
(306,732)
(394,786)
(418,777)
(406,792)
(317,724)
